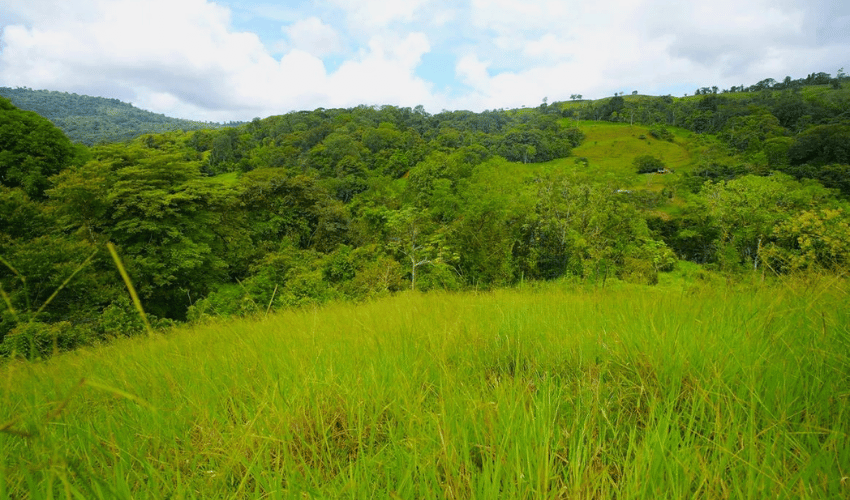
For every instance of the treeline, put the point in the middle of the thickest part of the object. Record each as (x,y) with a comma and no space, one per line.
(787,83)
(96,120)
(351,203)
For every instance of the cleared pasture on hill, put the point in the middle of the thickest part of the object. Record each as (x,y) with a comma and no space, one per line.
(553,392)
(610,150)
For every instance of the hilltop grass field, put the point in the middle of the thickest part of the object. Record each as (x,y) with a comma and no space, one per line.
(691,389)
(611,148)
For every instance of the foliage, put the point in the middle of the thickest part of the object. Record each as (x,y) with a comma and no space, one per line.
(648,164)
(34,340)
(821,145)
(813,239)
(31,150)
(661,133)
(315,206)
(96,120)
(749,213)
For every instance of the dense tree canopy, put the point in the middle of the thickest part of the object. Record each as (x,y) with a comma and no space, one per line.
(95,120)
(349,203)
(31,150)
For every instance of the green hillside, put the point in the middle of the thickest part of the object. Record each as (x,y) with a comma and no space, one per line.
(93,120)
(609,150)
(612,148)
(633,297)
(350,204)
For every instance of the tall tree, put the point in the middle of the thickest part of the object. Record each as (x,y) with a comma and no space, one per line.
(31,150)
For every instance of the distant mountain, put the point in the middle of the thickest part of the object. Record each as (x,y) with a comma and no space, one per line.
(92,120)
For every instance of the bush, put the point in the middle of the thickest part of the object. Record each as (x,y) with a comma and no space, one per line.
(378,277)
(647,164)
(40,340)
(303,288)
(227,300)
(661,134)
(639,271)
(120,319)
(438,277)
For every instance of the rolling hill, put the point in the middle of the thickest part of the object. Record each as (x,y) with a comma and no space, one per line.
(94,120)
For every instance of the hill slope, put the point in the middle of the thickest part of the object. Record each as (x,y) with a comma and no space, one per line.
(92,120)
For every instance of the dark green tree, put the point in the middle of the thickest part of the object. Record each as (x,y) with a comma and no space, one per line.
(31,150)
(648,164)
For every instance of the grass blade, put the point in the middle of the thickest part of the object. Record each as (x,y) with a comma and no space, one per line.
(133,294)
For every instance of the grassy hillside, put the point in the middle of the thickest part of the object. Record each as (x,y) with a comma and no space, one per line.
(611,148)
(704,391)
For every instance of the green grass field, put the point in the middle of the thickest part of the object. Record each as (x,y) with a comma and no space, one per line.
(686,390)
(610,150)
(612,147)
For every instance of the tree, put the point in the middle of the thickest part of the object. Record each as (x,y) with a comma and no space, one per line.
(821,145)
(414,235)
(746,210)
(812,239)
(298,207)
(614,106)
(494,207)
(648,164)
(79,199)
(31,150)
(833,175)
(164,218)
(748,133)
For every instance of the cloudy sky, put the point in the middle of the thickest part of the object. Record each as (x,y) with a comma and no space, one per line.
(239,59)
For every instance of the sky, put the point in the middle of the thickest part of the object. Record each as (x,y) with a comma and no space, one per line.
(229,60)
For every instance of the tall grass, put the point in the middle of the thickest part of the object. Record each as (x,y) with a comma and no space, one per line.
(714,392)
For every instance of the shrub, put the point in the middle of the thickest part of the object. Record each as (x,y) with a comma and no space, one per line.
(438,277)
(120,318)
(661,134)
(378,277)
(40,340)
(648,164)
(638,271)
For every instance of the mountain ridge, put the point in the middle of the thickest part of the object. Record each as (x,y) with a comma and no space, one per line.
(92,120)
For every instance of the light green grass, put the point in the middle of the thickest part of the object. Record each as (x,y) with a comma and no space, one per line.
(614,146)
(611,148)
(709,391)
(228,178)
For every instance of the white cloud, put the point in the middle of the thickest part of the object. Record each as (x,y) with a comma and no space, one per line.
(190,63)
(270,11)
(185,58)
(384,74)
(509,16)
(313,36)
(472,71)
(366,14)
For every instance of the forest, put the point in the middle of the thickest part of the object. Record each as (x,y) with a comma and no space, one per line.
(631,297)
(96,120)
(349,204)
